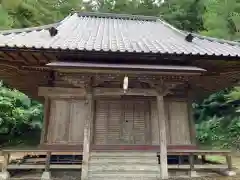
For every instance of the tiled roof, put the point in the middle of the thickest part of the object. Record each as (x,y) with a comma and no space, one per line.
(121,33)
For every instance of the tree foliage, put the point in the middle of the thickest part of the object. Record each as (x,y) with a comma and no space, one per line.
(27,13)
(222,18)
(19,116)
(218,119)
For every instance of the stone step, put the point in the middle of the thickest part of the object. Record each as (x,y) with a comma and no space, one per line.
(124,174)
(124,167)
(128,162)
(123,160)
(123,154)
(123,178)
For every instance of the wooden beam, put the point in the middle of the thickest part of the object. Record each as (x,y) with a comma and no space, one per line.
(59,92)
(78,166)
(119,91)
(87,137)
(42,166)
(162,137)
(123,71)
(197,167)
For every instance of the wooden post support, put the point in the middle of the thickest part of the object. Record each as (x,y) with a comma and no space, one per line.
(5,161)
(229,162)
(191,162)
(162,137)
(192,172)
(87,137)
(46,175)
(48,159)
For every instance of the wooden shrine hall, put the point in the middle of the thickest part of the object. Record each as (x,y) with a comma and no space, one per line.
(118,89)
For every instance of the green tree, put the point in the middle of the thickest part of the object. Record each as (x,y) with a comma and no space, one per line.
(222,18)
(19,117)
(136,7)
(27,13)
(184,14)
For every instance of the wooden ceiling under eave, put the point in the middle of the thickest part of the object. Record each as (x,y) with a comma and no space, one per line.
(25,70)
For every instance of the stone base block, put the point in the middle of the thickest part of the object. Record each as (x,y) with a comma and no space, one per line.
(4,175)
(46,175)
(227,172)
(192,173)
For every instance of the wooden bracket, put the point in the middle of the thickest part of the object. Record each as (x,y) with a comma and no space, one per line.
(162,87)
(82,81)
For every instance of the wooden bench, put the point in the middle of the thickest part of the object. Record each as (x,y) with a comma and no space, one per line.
(6,153)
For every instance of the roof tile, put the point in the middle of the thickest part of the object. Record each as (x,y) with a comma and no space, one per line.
(123,33)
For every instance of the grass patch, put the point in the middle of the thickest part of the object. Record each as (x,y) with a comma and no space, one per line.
(218,159)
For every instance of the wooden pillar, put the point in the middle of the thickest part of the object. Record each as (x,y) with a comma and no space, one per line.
(162,137)
(47,163)
(45,120)
(191,162)
(87,137)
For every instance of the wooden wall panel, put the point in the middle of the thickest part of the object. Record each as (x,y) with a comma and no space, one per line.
(101,122)
(178,116)
(78,113)
(168,125)
(59,116)
(155,125)
(66,121)
(122,121)
(141,118)
(114,122)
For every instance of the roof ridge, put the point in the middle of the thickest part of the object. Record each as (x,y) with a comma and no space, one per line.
(216,39)
(36,28)
(117,16)
(165,23)
(185,33)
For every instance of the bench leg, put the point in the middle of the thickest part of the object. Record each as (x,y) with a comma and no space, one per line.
(4,175)
(47,174)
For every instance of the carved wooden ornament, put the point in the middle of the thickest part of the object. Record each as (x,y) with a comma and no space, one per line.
(125,84)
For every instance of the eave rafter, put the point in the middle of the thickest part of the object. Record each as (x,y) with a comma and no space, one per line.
(211,83)
(24,80)
(28,57)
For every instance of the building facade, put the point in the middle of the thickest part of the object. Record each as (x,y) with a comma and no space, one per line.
(117,83)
